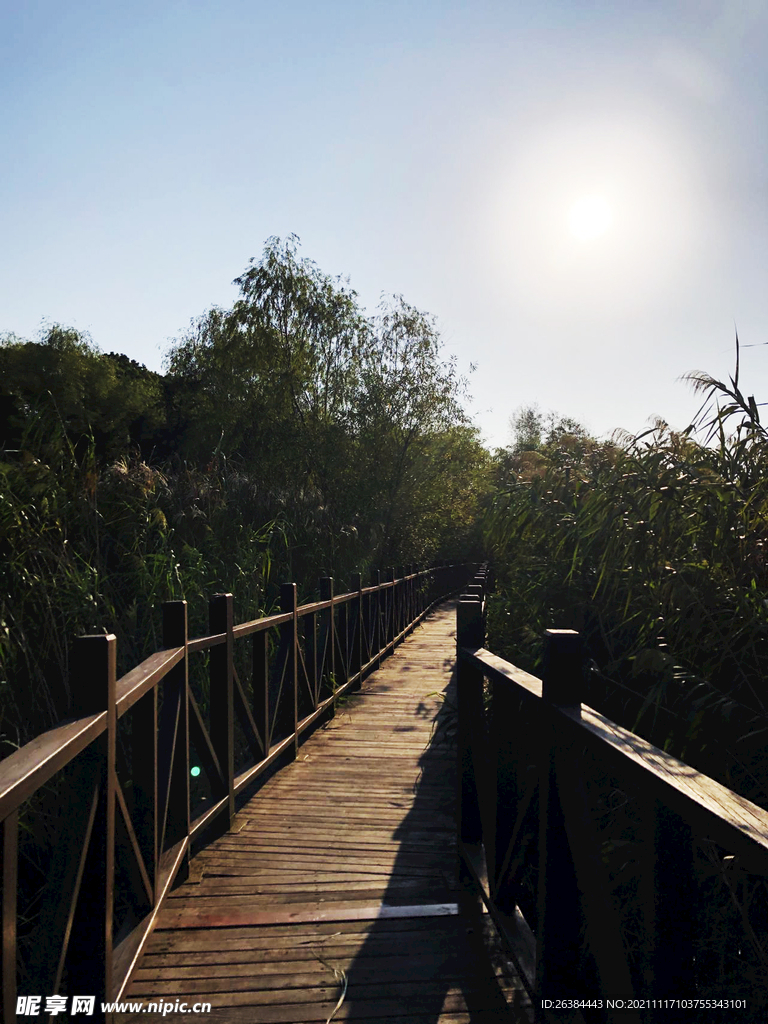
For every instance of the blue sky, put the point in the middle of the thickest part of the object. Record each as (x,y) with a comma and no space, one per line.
(439,150)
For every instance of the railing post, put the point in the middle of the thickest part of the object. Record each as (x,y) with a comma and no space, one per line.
(144,724)
(260,687)
(173,741)
(574,887)
(357,626)
(390,618)
(94,675)
(469,687)
(670,903)
(561,677)
(400,601)
(343,640)
(288,604)
(328,636)
(222,712)
(410,604)
(558,950)
(9,863)
(378,628)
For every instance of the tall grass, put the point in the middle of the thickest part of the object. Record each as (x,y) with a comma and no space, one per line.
(89,547)
(654,547)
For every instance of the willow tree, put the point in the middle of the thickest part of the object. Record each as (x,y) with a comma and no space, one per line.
(415,440)
(346,422)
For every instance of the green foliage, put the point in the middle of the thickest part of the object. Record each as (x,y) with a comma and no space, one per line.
(656,551)
(64,378)
(349,422)
(292,437)
(534,431)
(87,546)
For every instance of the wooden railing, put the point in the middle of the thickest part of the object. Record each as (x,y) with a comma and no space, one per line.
(154,760)
(610,867)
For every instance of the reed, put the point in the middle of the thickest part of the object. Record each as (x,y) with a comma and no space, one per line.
(654,547)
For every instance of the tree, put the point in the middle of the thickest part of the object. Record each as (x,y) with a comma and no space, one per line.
(408,409)
(534,431)
(339,416)
(270,380)
(64,378)
(527,425)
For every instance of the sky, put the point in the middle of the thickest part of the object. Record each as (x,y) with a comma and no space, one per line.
(577,191)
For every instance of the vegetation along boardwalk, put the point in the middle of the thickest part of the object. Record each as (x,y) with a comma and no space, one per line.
(338,886)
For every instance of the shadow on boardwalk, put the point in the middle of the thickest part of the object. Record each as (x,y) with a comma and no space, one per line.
(432,966)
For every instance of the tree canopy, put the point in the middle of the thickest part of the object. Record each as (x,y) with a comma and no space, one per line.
(291,436)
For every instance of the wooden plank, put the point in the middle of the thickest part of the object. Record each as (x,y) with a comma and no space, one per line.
(345,861)
(300,973)
(277,961)
(304,933)
(200,918)
(302,1004)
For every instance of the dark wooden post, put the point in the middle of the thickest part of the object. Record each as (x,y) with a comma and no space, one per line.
(9,861)
(309,639)
(377,632)
(357,626)
(403,598)
(507,766)
(173,743)
(671,898)
(409,599)
(328,636)
(94,674)
(558,950)
(144,725)
(431,584)
(391,614)
(221,619)
(260,682)
(469,686)
(288,604)
(561,678)
(574,889)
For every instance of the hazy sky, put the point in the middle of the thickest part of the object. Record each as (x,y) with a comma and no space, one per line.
(578,190)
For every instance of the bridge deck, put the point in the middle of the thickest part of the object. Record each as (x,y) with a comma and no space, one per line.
(341,879)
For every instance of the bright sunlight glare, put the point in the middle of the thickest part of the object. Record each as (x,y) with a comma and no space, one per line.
(589,217)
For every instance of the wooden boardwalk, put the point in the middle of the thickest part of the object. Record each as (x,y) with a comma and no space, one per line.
(341,877)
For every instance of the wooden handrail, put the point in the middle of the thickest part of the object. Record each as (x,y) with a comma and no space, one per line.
(137,786)
(733,821)
(529,839)
(24,771)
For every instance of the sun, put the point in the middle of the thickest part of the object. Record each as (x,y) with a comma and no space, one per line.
(589,217)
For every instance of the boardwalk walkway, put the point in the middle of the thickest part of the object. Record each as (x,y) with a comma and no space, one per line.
(341,877)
